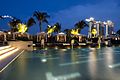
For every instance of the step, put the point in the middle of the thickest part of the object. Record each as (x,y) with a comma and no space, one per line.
(7,54)
(3,51)
(4,47)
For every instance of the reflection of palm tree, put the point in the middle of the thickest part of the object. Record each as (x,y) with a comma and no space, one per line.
(41,17)
(13,24)
(80,25)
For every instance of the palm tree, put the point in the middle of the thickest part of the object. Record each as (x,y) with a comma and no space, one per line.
(118,32)
(1,17)
(68,32)
(41,17)
(80,25)
(30,23)
(13,24)
(58,27)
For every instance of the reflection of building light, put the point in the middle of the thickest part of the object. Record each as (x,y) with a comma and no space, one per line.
(44,60)
(56,47)
(110,66)
(73,56)
(108,55)
(92,63)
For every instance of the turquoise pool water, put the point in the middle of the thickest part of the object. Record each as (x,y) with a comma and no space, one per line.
(66,64)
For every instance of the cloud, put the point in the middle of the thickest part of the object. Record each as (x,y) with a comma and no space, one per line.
(105,10)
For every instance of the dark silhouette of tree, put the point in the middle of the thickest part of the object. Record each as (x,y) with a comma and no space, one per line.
(13,24)
(58,27)
(80,25)
(41,17)
(68,32)
(1,17)
(30,23)
(118,32)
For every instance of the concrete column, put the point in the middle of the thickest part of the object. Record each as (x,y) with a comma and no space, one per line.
(13,35)
(90,27)
(37,38)
(65,38)
(107,27)
(98,29)
(5,37)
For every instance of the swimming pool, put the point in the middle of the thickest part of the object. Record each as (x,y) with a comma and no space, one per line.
(66,64)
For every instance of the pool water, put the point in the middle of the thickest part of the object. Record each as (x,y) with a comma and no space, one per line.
(66,64)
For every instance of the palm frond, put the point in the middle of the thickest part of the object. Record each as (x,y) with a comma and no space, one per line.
(30,22)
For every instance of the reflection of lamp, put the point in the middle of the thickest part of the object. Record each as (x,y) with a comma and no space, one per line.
(44,60)
(92,62)
(108,56)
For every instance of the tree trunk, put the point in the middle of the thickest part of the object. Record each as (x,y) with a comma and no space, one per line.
(40,24)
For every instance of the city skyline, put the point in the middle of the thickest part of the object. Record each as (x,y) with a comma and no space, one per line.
(64,12)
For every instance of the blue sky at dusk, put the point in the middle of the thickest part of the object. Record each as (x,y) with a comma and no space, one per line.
(67,12)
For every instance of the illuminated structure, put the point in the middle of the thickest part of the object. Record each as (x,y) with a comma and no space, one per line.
(22,28)
(109,28)
(91,23)
(61,37)
(2,36)
(100,27)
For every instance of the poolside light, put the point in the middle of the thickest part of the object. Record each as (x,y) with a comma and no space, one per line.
(110,66)
(33,44)
(44,60)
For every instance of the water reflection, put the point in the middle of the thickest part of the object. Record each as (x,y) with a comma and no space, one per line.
(22,65)
(108,55)
(108,60)
(73,56)
(92,63)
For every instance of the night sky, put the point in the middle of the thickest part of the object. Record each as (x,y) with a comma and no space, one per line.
(67,12)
